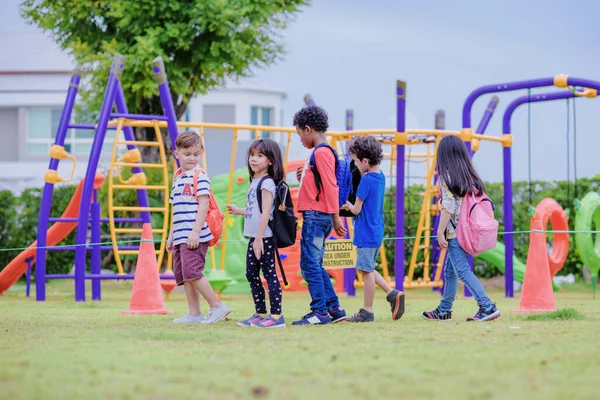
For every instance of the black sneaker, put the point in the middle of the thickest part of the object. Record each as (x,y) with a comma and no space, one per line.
(362,316)
(338,315)
(435,315)
(483,315)
(396,300)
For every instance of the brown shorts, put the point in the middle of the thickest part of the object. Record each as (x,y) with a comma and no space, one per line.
(188,265)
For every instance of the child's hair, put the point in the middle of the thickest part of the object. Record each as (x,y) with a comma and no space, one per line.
(313,116)
(455,168)
(270,149)
(187,140)
(367,147)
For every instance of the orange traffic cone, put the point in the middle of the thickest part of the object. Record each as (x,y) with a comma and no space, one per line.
(146,296)
(537,294)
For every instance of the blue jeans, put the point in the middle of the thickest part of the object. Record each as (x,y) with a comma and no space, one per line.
(457,266)
(316,227)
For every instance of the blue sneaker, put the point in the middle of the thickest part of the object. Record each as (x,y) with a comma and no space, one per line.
(338,315)
(250,320)
(312,318)
(270,322)
(485,315)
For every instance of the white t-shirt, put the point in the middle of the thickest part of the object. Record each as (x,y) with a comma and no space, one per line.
(185,206)
(253,212)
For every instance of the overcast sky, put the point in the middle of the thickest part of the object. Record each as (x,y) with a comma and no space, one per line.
(349,53)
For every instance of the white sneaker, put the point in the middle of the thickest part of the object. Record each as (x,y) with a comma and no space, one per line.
(189,319)
(216,314)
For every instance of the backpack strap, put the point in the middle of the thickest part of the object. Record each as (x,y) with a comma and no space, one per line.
(285,281)
(259,191)
(315,171)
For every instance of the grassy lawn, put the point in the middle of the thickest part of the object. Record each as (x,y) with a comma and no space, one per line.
(63,350)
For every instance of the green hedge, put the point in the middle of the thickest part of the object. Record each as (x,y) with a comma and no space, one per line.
(19,216)
(557,190)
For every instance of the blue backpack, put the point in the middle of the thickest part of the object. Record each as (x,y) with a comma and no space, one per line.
(342,175)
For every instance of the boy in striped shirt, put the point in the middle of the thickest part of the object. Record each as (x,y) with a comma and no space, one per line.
(189,236)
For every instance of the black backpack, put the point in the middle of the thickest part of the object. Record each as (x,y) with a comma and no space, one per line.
(284,223)
(356,177)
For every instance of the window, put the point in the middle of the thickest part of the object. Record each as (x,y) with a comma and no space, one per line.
(43,127)
(261,116)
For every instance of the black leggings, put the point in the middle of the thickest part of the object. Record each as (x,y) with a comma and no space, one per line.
(267,264)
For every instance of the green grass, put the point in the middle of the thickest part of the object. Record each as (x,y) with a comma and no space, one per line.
(67,350)
(564,315)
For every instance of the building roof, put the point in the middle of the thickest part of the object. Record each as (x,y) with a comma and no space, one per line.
(32,51)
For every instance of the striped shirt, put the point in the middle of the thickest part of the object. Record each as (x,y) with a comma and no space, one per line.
(185,206)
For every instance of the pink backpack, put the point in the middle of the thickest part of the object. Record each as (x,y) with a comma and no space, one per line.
(477,230)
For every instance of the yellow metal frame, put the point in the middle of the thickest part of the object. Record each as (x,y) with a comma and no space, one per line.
(130,184)
(385,137)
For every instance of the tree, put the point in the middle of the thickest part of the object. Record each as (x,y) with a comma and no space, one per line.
(202,42)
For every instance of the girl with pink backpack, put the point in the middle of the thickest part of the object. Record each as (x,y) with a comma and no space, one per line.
(466,227)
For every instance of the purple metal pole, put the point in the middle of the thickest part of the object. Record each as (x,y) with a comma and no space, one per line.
(349,273)
(508,203)
(143,117)
(142,195)
(82,225)
(399,242)
(96,255)
(165,98)
(46,201)
(308,100)
(440,124)
(28,277)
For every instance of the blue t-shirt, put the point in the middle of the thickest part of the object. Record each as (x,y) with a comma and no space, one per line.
(368,227)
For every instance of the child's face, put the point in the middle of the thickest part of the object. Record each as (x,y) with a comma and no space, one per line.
(362,165)
(258,162)
(305,136)
(189,158)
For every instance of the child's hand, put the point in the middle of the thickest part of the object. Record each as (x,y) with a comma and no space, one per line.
(338,226)
(192,241)
(258,248)
(347,206)
(299,173)
(170,247)
(441,237)
(232,209)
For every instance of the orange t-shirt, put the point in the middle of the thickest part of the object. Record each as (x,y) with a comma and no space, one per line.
(328,199)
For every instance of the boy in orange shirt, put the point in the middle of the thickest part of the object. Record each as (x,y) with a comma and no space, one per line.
(320,214)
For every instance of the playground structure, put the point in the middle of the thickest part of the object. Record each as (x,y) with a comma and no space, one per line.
(83,211)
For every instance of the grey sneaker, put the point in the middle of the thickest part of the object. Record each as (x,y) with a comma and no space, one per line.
(216,314)
(362,316)
(396,300)
(189,319)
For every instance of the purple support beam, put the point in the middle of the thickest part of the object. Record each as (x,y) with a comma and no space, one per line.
(143,117)
(102,277)
(28,277)
(96,256)
(46,200)
(439,124)
(399,242)
(308,100)
(142,195)
(164,91)
(349,273)
(88,185)
(88,126)
(506,87)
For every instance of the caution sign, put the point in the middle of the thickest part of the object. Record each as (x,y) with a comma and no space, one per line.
(338,254)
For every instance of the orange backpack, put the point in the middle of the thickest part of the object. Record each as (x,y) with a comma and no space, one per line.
(214,216)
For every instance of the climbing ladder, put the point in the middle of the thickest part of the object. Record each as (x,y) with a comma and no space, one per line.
(423,242)
(137,181)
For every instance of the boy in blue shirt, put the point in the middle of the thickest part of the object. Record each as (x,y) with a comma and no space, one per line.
(368,227)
